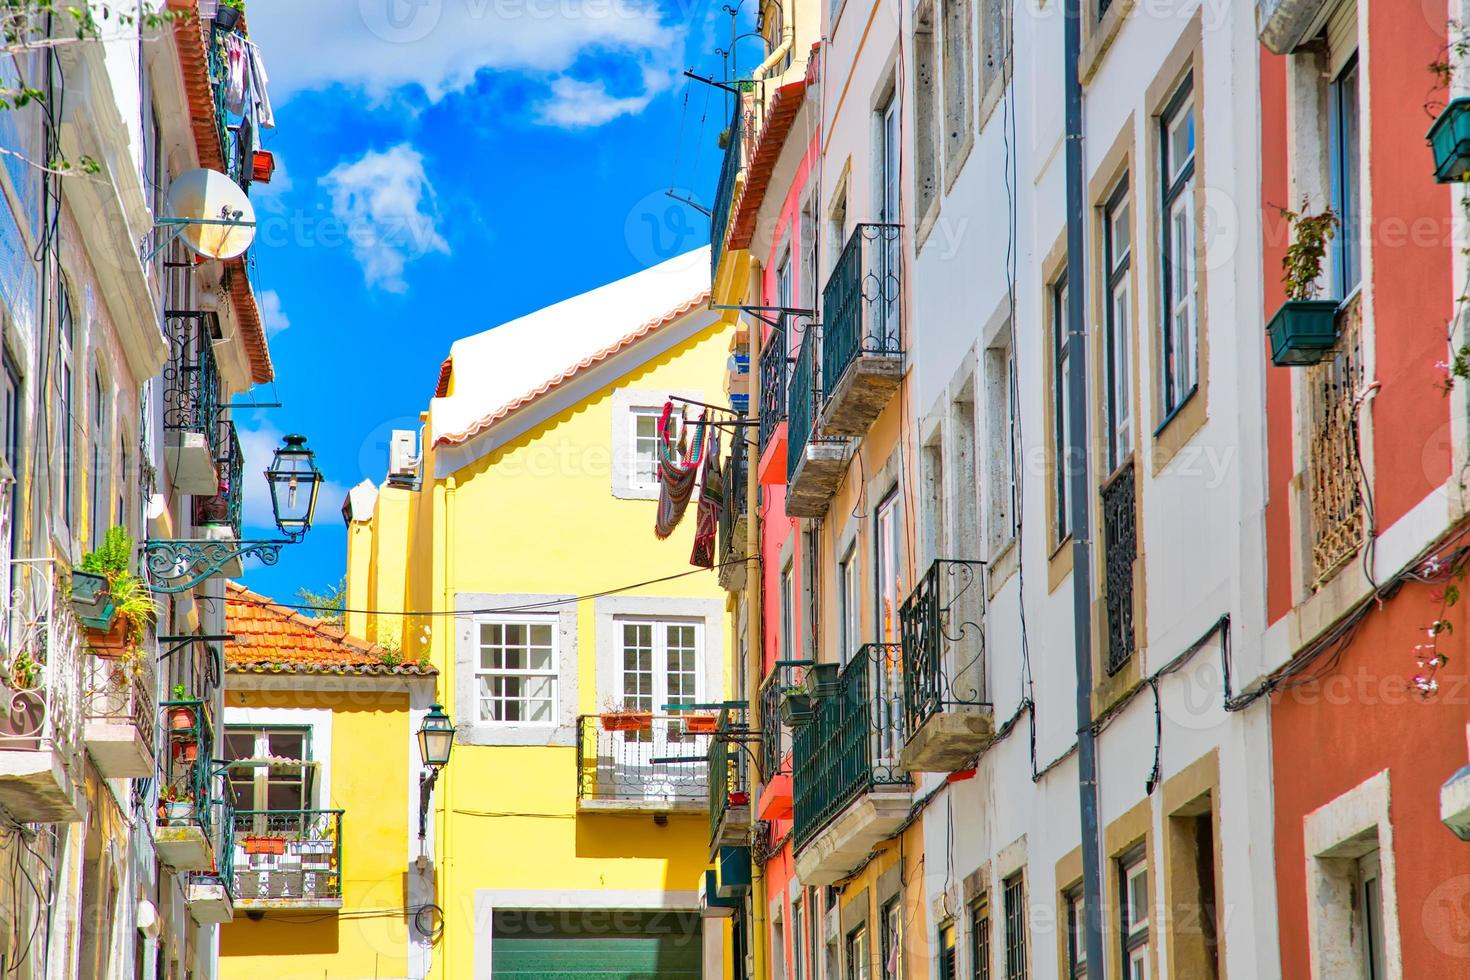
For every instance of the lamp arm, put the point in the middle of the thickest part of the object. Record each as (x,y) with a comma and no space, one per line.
(427,778)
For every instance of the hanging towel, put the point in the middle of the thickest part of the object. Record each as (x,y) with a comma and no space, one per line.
(236,70)
(678,467)
(711,496)
(265,116)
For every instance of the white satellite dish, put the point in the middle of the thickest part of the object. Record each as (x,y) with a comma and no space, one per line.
(212,213)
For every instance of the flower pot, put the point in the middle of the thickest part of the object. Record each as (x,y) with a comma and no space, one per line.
(186,751)
(91,601)
(176,813)
(226,18)
(181,719)
(821,680)
(739,798)
(1449,139)
(111,642)
(263,166)
(701,724)
(1303,331)
(797,709)
(627,721)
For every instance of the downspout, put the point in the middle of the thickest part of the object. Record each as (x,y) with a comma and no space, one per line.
(1078,485)
(784,46)
(754,638)
(449,678)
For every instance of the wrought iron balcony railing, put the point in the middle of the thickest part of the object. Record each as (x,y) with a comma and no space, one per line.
(627,769)
(222,840)
(719,219)
(1337,523)
(775,367)
(120,691)
(942,623)
(285,858)
(191,392)
(853,745)
(775,737)
(732,507)
(1120,549)
(801,396)
(224,508)
(861,303)
(41,705)
(729,782)
(184,770)
(232,128)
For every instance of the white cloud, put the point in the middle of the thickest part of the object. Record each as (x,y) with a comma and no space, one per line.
(382,47)
(257,446)
(386,202)
(575,104)
(271,312)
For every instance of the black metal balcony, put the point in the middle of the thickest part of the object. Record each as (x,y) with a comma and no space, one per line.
(192,402)
(288,859)
(634,769)
(1120,550)
(775,737)
(862,333)
(946,710)
(815,465)
(729,786)
(223,509)
(719,219)
(732,521)
(775,367)
(852,747)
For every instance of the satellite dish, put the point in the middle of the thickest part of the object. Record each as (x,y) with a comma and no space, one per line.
(213,215)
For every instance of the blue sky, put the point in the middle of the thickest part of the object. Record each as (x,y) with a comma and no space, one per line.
(445,166)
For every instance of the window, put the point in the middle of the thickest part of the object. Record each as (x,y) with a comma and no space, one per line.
(890,583)
(798,943)
(892,943)
(958,77)
(1015,910)
(1061,347)
(1133,927)
(11,410)
(65,422)
(124,473)
(1181,328)
(849,603)
(995,42)
(660,665)
(284,784)
(783,282)
(980,939)
(516,673)
(948,955)
(1346,160)
(1000,435)
(887,271)
(646,445)
(1118,319)
(858,964)
(788,612)
(926,99)
(101,491)
(1370,906)
(1076,936)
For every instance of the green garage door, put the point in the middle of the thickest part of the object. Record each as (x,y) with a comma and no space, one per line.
(596,944)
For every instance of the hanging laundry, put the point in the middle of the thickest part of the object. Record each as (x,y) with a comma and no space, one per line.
(237,68)
(678,468)
(711,497)
(265,116)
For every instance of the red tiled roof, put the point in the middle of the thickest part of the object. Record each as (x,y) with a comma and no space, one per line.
(611,350)
(441,388)
(189,33)
(779,116)
(271,639)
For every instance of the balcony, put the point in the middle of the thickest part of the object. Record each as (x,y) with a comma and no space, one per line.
(40,694)
(775,800)
(814,465)
(118,704)
(182,838)
(775,367)
(217,517)
(729,787)
(191,403)
(1120,552)
(850,792)
(733,526)
(946,713)
(288,859)
(625,771)
(862,335)
(730,169)
(210,894)
(1336,512)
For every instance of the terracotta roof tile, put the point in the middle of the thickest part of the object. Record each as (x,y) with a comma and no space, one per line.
(271,638)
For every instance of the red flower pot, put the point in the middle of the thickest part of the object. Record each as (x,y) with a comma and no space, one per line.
(263,166)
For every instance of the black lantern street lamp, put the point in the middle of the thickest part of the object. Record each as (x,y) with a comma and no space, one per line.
(294,482)
(178,565)
(436,741)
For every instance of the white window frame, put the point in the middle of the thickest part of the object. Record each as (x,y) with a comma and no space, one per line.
(1118,317)
(1001,477)
(658,627)
(849,602)
(1179,360)
(628,405)
(1133,891)
(551,672)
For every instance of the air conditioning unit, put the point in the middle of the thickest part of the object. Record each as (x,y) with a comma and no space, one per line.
(403,458)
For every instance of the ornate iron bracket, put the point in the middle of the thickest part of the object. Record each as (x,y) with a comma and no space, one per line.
(179,565)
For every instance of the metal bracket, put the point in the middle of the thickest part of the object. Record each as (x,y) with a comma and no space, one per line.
(179,565)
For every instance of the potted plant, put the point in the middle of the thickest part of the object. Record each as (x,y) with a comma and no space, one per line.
(619,718)
(797,708)
(227,14)
(25,672)
(175,807)
(701,724)
(1449,139)
(129,608)
(181,717)
(262,166)
(1304,329)
(186,750)
(90,600)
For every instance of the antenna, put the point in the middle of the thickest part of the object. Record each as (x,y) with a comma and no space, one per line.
(210,212)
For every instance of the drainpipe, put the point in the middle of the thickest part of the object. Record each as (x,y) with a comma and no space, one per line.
(1078,485)
(788,40)
(754,638)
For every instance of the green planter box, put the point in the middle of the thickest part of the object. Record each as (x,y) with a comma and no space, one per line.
(1449,138)
(1303,331)
(821,680)
(91,601)
(797,709)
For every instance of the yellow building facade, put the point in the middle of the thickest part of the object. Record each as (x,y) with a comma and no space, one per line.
(515,534)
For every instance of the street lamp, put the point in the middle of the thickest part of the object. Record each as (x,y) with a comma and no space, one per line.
(176,565)
(436,741)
